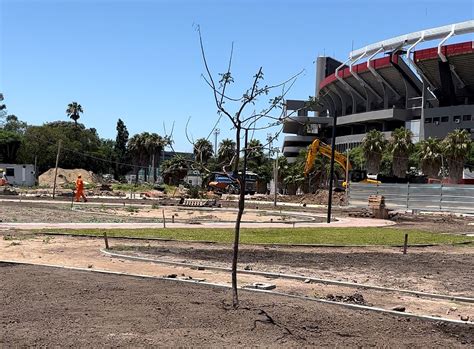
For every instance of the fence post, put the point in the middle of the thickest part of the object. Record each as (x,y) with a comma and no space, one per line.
(408,194)
(441,197)
(405,244)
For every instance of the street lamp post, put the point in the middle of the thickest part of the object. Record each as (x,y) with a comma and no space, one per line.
(216,133)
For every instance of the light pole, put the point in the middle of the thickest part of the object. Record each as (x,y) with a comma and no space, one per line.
(216,133)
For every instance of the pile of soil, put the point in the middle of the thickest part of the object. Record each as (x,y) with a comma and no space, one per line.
(320,197)
(67,176)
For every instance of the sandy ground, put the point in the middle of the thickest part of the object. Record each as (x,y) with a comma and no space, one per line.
(60,308)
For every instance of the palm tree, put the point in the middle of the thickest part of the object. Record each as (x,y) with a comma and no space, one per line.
(430,157)
(456,148)
(226,150)
(373,146)
(203,150)
(154,146)
(401,145)
(255,150)
(74,110)
(175,169)
(137,150)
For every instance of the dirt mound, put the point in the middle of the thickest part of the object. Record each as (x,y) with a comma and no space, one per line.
(318,198)
(67,176)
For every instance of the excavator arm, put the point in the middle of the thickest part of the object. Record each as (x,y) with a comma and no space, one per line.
(319,147)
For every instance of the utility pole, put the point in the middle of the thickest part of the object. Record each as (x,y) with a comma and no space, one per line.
(56,169)
(36,169)
(331,174)
(216,133)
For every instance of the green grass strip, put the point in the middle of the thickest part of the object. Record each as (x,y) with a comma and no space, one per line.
(332,236)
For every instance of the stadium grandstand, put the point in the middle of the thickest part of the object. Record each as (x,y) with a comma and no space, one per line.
(386,85)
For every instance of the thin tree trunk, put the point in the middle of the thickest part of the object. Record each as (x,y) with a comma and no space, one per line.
(235,296)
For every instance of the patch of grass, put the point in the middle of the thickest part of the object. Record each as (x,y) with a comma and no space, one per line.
(334,236)
(48,239)
(132,209)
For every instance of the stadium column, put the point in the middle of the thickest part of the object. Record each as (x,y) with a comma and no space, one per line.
(331,171)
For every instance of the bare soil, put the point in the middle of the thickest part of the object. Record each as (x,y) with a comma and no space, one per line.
(447,270)
(30,212)
(52,307)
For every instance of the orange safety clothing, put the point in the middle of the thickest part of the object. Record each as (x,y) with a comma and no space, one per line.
(80,190)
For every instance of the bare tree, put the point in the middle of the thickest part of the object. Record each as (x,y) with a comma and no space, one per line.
(242,114)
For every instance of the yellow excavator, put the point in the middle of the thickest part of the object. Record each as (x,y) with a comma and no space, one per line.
(318,147)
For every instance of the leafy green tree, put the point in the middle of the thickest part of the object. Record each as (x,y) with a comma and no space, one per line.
(120,149)
(3,107)
(74,111)
(13,124)
(401,145)
(456,147)
(10,143)
(430,153)
(373,146)
(356,158)
(260,164)
(79,144)
(175,169)
(292,174)
(226,151)
(203,150)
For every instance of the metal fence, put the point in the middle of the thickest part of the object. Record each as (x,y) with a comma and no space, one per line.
(426,197)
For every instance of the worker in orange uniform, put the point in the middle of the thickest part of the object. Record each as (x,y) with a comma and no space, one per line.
(80,189)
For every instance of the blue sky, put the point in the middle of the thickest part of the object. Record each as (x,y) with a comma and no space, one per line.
(140,60)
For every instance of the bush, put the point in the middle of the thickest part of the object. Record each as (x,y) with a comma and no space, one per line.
(194,192)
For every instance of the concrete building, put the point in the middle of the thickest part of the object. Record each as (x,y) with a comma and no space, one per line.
(20,175)
(387,85)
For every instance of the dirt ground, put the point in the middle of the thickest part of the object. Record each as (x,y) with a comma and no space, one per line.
(442,269)
(44,306)
(325,263)
(61,213)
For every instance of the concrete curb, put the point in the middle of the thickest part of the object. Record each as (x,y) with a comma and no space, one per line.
(345,305)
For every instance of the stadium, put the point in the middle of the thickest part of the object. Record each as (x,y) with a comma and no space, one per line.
(385,85)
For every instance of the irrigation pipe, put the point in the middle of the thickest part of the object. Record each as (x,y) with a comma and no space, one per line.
(294,277)
(318,300)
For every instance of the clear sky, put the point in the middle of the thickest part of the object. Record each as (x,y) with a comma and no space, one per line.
(140,60)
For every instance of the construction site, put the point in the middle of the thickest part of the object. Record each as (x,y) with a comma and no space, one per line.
(355,230)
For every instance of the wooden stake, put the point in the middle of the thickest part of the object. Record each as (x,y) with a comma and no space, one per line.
(405,244)
(106,240)
(172,219)
(164,219)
